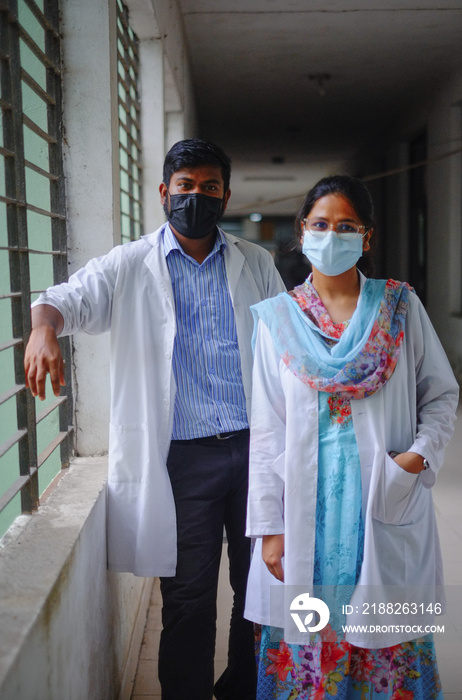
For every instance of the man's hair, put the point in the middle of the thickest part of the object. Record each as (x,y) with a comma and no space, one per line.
(191,153)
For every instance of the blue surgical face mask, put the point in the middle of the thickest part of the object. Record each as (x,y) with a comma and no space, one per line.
(330,254)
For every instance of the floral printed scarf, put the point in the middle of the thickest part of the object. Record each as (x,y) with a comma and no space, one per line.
(367,351)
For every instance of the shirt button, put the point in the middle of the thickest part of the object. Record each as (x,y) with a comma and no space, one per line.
(204,302)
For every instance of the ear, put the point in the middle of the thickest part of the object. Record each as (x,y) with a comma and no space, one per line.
(163,192)
(226,197)
(366,239)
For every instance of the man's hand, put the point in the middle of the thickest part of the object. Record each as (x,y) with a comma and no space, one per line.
(43,354)
(272,553)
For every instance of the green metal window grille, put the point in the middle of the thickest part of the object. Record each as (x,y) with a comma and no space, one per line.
(35,441)
(130,168)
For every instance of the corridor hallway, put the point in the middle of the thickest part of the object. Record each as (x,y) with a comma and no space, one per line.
(93,95)
(146,681)
(448,503)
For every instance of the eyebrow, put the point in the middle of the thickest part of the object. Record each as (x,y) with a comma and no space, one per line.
(324,218)
(206,182)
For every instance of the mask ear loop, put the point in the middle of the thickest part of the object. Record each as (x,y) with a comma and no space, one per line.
(222,208)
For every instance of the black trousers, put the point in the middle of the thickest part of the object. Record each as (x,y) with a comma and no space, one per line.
(209,479)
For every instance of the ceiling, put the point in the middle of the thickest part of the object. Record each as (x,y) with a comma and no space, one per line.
(291,89)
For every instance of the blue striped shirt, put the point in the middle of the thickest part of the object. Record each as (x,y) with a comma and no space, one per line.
(206,360)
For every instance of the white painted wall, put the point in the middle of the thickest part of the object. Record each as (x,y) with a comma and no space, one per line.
(92,189)
(170,23)
(441,115)
(445,218)
(175,129)
(152,129)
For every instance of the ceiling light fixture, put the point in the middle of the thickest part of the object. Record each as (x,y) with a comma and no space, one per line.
(320,79)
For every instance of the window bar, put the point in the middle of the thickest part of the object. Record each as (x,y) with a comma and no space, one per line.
(29,80)
(11,344)
(19,261)
(7,395)
(18,249)
(39,170)
(10,493)
(47,20)
(37,130)
(128,151)
(128,41)
(43,58)
(58,205)
(10,296)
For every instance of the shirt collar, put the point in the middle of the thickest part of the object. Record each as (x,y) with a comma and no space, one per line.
(171,243)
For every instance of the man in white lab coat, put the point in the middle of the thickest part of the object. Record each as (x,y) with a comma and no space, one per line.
(177,306)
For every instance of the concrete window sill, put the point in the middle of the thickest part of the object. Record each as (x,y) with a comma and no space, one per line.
(67,625)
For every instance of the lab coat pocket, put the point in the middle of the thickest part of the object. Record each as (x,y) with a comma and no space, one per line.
(396,498)
(128,452)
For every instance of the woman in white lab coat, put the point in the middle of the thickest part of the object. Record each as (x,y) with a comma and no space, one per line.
(353,405)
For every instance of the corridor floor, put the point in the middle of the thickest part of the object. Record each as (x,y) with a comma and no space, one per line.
(448,502)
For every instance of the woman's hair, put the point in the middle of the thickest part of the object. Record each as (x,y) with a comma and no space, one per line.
(356,192)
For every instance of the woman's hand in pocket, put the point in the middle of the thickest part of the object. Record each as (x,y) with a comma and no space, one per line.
(410,461)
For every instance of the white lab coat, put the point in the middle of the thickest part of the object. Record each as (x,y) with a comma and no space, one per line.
(414,412)
(129,292)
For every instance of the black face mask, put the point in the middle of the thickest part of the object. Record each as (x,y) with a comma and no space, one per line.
(193,215)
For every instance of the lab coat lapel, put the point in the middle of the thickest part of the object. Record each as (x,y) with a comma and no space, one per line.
(156,263)
(234,261)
